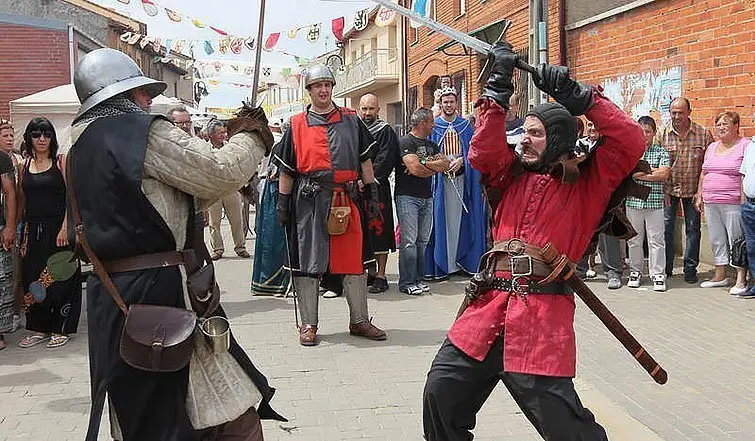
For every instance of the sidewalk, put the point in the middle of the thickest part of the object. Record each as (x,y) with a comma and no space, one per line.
(353,389)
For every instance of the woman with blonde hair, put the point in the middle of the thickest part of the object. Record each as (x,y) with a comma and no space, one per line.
(720,195)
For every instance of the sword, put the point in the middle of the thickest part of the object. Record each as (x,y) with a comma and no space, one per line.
(291,274)
(475,44)
(458,193)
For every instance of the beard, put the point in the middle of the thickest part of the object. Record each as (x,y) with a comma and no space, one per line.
(529,164)
(369,119)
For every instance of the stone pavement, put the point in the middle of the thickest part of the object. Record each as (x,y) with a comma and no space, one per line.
(352,389)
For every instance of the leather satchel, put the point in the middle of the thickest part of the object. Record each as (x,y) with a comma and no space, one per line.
(154,338)
(338,218)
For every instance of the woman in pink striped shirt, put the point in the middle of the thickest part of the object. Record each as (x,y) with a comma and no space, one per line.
(719,193)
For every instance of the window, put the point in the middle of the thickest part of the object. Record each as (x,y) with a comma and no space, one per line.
(411,102)
(459,82)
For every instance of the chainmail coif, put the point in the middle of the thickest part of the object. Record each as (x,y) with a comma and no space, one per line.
(114,106)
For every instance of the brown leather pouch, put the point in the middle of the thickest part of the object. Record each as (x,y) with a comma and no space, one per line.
(154,338)
(204,292)
(157,338)
(338,218)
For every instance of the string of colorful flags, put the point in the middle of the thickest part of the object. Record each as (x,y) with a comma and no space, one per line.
(227,43)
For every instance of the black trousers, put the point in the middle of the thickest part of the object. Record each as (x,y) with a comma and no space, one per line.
(458,385)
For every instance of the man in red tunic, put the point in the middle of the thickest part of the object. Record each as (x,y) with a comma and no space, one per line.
(521,329)
(322,157)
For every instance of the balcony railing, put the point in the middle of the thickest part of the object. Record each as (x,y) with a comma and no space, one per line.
(377,66)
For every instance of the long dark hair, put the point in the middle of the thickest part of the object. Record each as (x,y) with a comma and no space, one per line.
(27,149)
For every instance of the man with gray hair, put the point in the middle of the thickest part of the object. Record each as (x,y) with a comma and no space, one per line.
(231,203)
(180,117)
(414,198)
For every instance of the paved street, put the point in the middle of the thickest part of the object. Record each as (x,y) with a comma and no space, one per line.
(352,389)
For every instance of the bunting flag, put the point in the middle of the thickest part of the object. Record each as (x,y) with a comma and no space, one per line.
(149,8)
(224,45)
(219,31)
(301,61)
(314,33)
(125,2)
(208,47)
(271,42)
(292,33)
(385,17)
(249,43)
(423,8)
(361,20)
(173,15)
(337,26)
(237,44)
(198,23)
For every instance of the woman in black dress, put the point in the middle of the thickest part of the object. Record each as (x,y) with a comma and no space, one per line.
(42,205)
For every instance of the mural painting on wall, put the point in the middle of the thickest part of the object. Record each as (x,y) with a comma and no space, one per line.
(647,93)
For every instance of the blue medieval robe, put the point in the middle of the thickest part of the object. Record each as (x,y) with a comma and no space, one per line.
(458,239)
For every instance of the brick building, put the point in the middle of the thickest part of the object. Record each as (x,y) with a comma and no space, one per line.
(430,55)
(43,39)
(643,52)
(646,52)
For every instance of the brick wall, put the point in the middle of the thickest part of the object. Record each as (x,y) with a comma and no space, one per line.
(712,41)
(31,60)
(424,63)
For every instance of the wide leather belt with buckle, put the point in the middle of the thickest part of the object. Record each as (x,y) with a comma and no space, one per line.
(516,258)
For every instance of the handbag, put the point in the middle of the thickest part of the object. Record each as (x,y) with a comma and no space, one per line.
(739,253)
(338,217)
(154,338)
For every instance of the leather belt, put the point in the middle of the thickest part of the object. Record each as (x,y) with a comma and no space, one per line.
(145,261)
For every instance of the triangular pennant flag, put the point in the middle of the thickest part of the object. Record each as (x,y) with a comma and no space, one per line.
(197,23)
(219,31)
(337,27)
(173,15)
(272,41)
(292,33)
(168,45)
(125,2)
(134,38)
(149,7)
(208,47)
(125,37)
(286,71)
(179,46)
(301,61)
(144,41)
(249,43)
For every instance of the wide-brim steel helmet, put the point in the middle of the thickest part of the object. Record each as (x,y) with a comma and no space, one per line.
(104,73)
(318,72)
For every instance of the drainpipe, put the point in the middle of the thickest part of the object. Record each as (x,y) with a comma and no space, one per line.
(71,52)
(562,31)
(538,45)
(405,73)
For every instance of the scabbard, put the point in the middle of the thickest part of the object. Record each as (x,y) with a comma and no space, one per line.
(606,316)
(617,329)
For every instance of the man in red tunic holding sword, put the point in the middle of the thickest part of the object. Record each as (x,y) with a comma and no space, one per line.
(517,323)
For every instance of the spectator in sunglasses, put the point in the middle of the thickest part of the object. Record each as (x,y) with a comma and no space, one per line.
(42,205)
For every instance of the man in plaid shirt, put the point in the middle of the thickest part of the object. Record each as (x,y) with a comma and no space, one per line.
(685,142)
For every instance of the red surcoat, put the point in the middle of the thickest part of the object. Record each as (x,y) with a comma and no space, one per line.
(537,208)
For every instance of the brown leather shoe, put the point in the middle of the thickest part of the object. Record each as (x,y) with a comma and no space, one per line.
(308,335)
(367,330)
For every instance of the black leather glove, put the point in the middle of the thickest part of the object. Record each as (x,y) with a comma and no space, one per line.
(373,200)
(556,82)
(251,119)
(283,208)
(499,87)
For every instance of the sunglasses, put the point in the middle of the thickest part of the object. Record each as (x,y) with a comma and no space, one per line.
(38,133)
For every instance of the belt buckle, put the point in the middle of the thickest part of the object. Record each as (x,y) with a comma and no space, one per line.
(520,289)
(512,265)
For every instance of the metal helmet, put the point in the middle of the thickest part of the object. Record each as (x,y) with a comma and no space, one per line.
(316,73)
(104,73)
